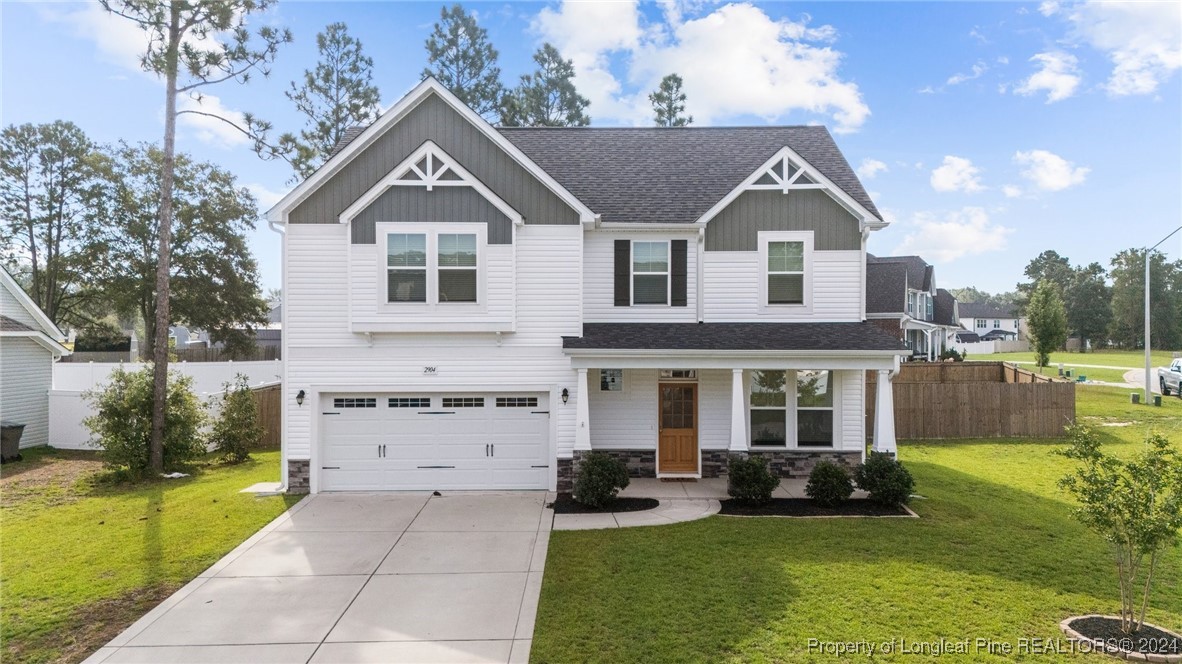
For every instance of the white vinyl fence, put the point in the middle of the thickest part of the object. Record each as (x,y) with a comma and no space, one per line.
(68,408)
(990,347)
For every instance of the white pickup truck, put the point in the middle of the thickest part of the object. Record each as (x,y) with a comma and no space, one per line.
(1170,378)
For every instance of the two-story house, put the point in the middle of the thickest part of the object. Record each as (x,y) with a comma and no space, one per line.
(902,299)
(991,322)
(467,307)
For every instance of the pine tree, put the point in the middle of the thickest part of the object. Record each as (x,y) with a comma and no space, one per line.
(547,97)
(338,94)
(668,102)
(460,57)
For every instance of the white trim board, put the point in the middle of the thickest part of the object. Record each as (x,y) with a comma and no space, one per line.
(48,329)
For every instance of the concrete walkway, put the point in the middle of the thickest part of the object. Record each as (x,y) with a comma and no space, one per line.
(362,578)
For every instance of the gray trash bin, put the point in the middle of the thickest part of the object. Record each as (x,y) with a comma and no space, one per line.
(10,441)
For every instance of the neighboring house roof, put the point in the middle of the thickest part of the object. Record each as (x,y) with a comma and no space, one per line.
(275,315)
(672,176)
(997,332)
(886,287)
(734,337)
(945,309)
(985,310)
(43,331)
(920,274)
(967,337)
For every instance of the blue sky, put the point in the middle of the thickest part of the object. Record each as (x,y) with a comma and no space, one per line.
(986,132)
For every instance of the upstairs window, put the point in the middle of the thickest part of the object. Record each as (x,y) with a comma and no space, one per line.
(980,323)
(433,267)
(406,261)
(996,324)
(785,273)
(650,273)
(457,267)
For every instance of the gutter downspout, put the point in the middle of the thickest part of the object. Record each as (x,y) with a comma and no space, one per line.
(701,270)
(283,350)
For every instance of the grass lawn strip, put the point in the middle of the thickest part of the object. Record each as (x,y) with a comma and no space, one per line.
(996,555)
(84,559)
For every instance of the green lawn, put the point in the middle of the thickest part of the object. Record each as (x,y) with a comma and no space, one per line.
(83,560)
(1130,359)
(996,555)
(1103,375)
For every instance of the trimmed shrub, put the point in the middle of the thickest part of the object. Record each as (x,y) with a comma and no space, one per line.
(751,481)
(829,484)
(237,428)
(122,423)
(599,478)
(885,479)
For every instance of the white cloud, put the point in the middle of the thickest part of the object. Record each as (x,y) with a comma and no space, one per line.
(978,69)
(735,60)
(1058,76)
(1050,172)
(1048,7)
(1011,191)
(926,90)
(208,129)
(869,168)
(1003,60)
(958,233)
(957,174)
(1143,40)
(266,196)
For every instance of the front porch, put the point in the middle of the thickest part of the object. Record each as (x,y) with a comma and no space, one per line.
(705,394)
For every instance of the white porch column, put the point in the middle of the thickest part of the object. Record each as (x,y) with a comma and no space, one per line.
(583,413)
(884,414)
(738,413)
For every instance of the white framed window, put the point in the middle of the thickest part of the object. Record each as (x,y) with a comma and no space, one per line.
(980,323)
(677,374)
(650,272)
(804,418)
(611,380)
(785,260)
(433,265)
(996,324)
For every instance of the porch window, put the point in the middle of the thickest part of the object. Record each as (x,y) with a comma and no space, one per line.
(611,380)
(814,408)
(769,408)
(650,273)
(406,260)
(785,272)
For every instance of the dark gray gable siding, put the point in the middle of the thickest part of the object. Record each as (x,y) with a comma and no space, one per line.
(736,228)
(434,120)
(441,205)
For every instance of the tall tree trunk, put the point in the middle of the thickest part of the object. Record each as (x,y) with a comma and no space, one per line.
(160,343)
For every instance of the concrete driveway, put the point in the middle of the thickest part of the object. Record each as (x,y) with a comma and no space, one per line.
(362,578)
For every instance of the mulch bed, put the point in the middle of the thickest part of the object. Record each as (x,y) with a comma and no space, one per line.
(806,507)
(1148,639)
(565,504)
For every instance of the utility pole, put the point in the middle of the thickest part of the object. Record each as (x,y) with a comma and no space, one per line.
(1148,363)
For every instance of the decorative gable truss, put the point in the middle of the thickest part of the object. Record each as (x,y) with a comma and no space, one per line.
(429,167)
(786,172)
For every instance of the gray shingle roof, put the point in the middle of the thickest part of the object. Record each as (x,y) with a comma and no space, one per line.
(919,273)
(985,310)
(733,336)
(945,309)
(664,175)
(12,325)
(886,287)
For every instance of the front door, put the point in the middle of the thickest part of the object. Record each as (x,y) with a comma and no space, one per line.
(677,448)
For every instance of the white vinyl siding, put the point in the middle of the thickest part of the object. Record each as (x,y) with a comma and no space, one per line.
(599,281)
(732,288)
(26,374)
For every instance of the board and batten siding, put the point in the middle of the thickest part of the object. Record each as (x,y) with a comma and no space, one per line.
(434,119)
(731,288)
(737,227)
(440,205)
(599,280)
(322,351)
(26,375)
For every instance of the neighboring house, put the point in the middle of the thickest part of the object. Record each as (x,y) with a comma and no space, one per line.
(991,322)
(467,307)
(29,345)
(902,299)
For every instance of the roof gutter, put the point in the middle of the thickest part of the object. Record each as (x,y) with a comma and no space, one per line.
(711,352)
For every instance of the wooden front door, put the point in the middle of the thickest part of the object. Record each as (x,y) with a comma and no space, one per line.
(677,448)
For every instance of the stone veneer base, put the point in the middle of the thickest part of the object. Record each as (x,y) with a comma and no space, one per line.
(799,463)
(299,475)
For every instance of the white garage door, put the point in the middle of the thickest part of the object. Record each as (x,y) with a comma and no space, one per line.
(435,441)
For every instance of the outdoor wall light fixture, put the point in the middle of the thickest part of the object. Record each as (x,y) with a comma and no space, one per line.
(300,398)
(565,396)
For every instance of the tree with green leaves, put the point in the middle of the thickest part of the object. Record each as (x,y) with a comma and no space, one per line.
(668,102)
(237,428)
(339,93)
(1128,300)
(213,277)
(49,176)
(192,44)
(971,294)
(460,56)
(1046,318)
(1047,266)
(1089,304)
(1135,504)
(547,97)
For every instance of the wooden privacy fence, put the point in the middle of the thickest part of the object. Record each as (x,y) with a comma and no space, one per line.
(269,402)
(975,400)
